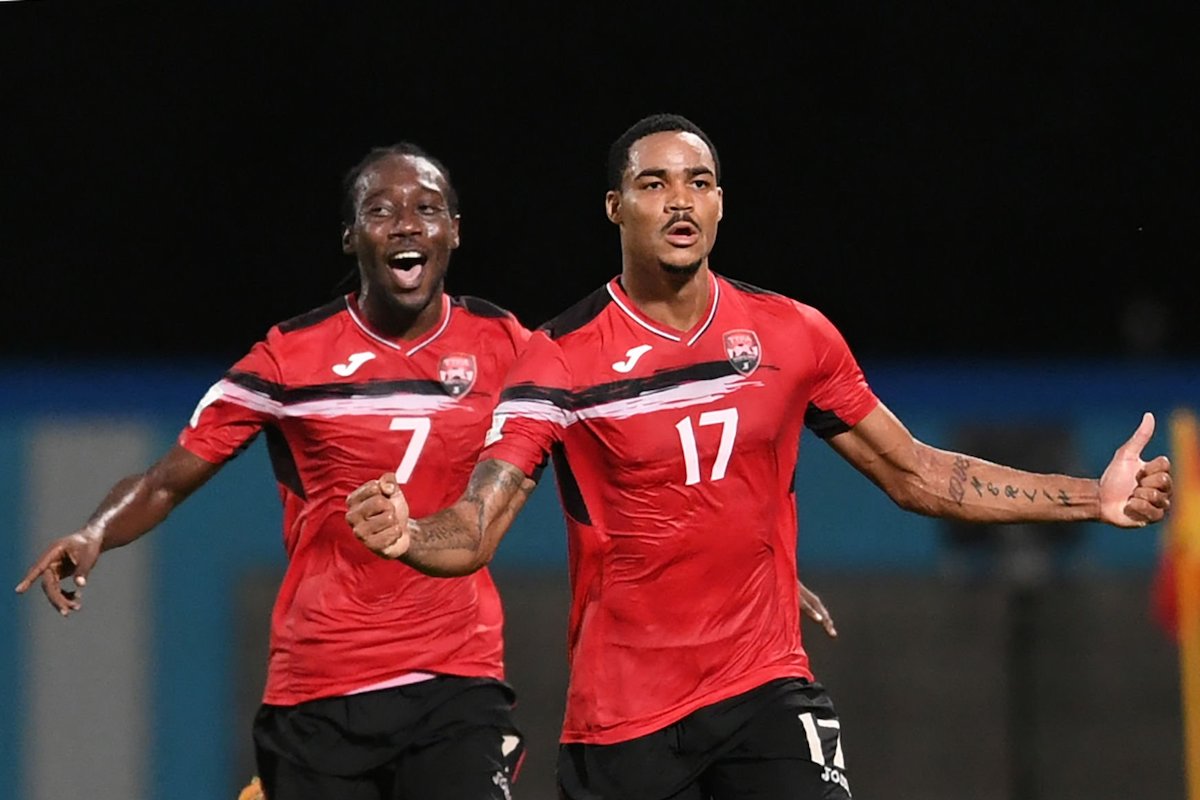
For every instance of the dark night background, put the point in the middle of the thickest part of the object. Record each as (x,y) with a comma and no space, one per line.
(977,180)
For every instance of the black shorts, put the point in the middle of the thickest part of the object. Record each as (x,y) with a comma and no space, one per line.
(447,738)
(779,741)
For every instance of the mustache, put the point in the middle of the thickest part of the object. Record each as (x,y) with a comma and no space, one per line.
(680,216)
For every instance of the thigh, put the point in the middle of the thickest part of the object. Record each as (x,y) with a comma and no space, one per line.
(475,764)
(466,748)
(284,780)
(650,767)
(792,748)
(774,779)
(671,763)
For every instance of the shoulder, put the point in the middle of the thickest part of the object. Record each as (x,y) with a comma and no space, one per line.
(489,317)
(479,307)
(741,287)
(579,315)
(755,298)
(292,346)
(301,330)
(312,318)
(296,341)
(766,301)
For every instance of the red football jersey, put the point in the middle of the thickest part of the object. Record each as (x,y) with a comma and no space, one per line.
(675,454)
(341,404)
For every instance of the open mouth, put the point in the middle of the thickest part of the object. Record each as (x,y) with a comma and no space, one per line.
(407,267)
(682,234)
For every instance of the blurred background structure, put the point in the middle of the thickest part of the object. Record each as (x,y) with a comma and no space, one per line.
(997,206)
(1053,679)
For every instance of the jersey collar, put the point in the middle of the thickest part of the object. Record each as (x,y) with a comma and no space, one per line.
(617,292)
(409,348)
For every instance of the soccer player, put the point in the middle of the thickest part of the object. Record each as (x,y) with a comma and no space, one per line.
(382,682)
(672,401)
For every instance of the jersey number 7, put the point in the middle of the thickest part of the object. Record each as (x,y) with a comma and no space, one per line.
(420,432)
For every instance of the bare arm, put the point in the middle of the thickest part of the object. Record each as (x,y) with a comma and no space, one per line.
(133,506)
(1131,493)
(455,541)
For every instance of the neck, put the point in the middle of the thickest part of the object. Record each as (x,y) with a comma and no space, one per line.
(393,321)
(671,297)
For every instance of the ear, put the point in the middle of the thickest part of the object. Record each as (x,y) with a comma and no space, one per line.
(720,203)
(612,206)
(347,242)
(454,226)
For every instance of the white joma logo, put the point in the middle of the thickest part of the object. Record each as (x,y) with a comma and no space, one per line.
(352,364)
(632,356)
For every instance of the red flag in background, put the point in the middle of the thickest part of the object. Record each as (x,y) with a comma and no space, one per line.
(1176,588)
(1179,558)
(1164,592)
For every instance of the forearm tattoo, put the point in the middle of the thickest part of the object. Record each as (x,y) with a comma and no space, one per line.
(962,483)
(958,479)
(491,489)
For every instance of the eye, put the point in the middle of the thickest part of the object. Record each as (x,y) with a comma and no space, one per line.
(377,211)
(702,183)
(653,184)
(430,209)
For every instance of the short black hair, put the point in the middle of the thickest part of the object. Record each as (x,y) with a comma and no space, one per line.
(377,153)
(618,153)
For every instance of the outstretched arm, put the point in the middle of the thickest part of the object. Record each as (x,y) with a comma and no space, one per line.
(1130,494)
(133,506)
(455,541)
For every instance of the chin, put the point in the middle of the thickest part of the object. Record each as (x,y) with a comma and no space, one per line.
(684,270)
(413,301)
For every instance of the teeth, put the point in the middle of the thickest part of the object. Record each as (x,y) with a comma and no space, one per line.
(406,256)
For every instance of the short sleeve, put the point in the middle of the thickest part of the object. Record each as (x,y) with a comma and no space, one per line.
(534,408)
(234,409)
(841,396)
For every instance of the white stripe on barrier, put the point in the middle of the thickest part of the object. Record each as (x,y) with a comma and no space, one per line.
(87,677)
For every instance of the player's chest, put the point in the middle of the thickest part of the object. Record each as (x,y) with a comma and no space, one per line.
(659,401)
(382,402)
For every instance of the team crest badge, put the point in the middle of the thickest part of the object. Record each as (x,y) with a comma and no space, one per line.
(743,350)
(457,373)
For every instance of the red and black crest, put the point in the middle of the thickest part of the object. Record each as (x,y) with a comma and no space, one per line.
(457,373)
(743,350)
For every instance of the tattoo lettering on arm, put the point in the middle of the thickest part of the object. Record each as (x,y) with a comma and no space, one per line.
(1062,498)
(961,477)
(958,477)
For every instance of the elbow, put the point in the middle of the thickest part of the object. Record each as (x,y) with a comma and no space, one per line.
(462,568)
(916,505)
(909,496)
(478,561)
(448,572)
(455,566)
(905,501)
